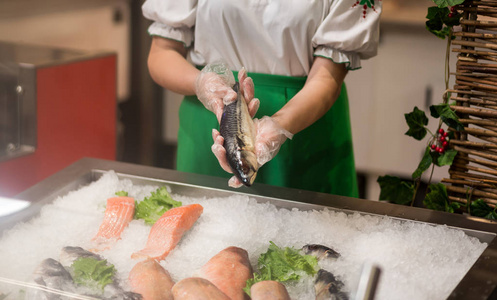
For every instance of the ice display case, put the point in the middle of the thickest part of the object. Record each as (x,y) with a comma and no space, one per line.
(479,282)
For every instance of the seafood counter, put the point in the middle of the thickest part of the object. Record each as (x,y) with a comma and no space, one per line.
(108,230)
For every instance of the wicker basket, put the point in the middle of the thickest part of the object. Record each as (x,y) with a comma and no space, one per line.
(473,174)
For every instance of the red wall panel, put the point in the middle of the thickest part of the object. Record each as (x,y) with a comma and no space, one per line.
(76,117)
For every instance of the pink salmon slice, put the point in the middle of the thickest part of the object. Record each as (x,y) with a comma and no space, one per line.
(229,271)
(118,213)
(196,288)
(269,290)
(151,280)
(168,231)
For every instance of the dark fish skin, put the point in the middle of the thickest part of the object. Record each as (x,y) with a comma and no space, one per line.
(69,254)
(327,287)
(52,274)
(320,251)
(238,131)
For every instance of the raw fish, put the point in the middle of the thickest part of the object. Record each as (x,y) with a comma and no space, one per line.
(229,271)
(111,291)
(320,251)
(269,290)
(69,254)
(151,280)
(195,288)
(328,287)
(238,130)
(168,230)
(118,213)
(51,274)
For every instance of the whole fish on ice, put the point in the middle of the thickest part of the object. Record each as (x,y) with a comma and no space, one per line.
(320,251)
(327,287)
(52,275)
(238,130)
(112,291)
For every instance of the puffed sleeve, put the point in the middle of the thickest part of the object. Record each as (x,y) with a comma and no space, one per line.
(349,32)
(173,19)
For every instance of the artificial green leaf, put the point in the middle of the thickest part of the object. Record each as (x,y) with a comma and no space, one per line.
(445,3)
(416,120)
(480,208)
(424,164)
(396,190)
(122,194)
(446,158)
(433,12)
(444,32)
(438,199)
(93,273)
(153,207)
(447,115)
(440,20)
(452,20)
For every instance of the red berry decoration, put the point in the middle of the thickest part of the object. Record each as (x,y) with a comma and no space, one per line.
(442,139)
(433,146)
(445,144)
(441,150)
(445,134)
(441,131)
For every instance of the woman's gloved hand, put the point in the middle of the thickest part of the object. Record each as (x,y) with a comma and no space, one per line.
(269,138)
(214,88)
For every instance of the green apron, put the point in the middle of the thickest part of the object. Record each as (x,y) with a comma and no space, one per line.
(319,158)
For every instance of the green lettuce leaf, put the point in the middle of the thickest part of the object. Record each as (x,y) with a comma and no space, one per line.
(122,194)
(92,273)
(282,265)
(153,207)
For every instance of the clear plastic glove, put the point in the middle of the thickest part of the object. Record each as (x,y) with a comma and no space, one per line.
(214,88)
(269,138)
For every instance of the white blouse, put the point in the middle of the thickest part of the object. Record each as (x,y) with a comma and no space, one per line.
(269,36)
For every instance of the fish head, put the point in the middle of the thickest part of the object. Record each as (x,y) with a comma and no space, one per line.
(247,167)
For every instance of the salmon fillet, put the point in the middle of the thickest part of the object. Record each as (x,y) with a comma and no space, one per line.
(151,280)
(168,230)
(195,288)
(118,213)
(269,290)
(229,271)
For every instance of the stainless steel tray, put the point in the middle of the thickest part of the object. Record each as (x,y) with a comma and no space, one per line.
(480,282)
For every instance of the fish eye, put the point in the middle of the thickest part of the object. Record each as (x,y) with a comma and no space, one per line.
(245,167)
